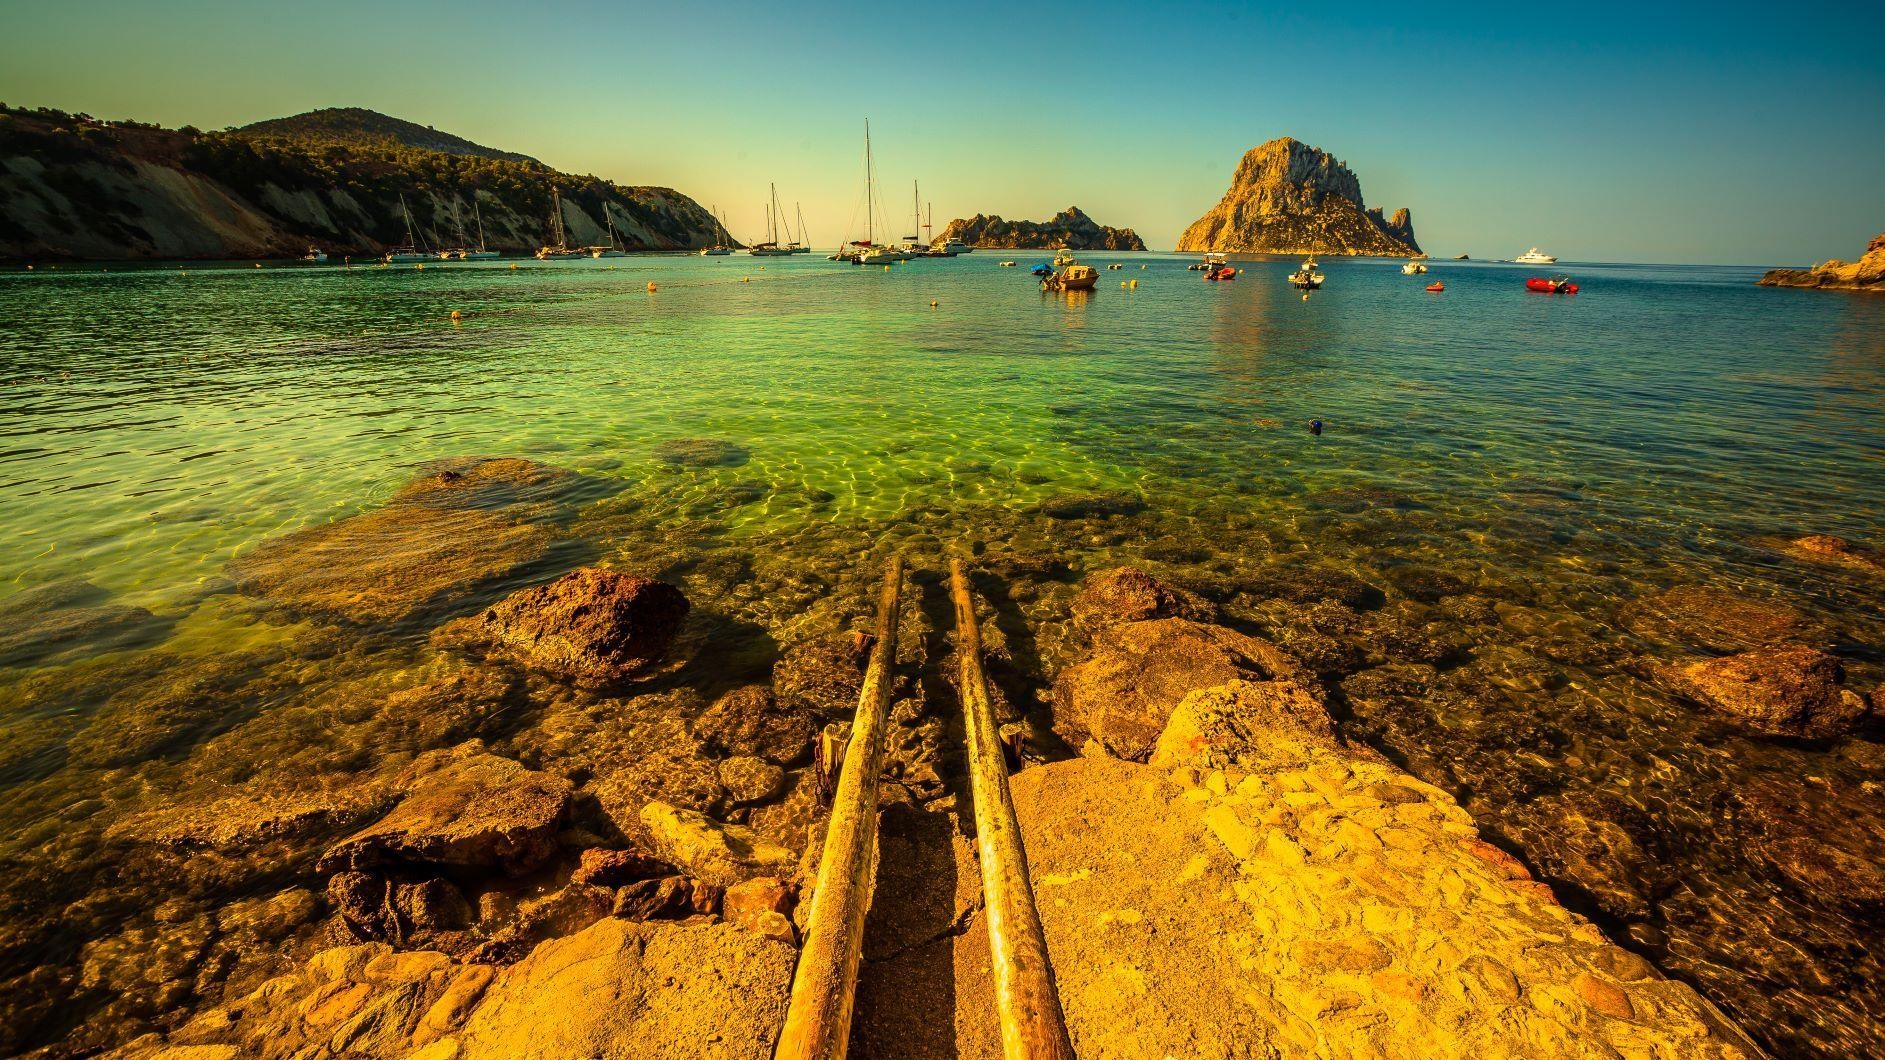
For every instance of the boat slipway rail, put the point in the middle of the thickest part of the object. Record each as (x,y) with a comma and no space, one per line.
(818,1017)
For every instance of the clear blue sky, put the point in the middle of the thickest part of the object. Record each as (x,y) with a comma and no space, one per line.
(1677,132)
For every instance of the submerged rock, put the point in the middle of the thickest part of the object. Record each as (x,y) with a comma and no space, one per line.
(592,626)
(1791,691)
(1092,505)
(1128,594)
(749,722)
(391,565)
(1125,690)
(700,452)
(47,622)
(1711,618)
(474,811)
(1825,548)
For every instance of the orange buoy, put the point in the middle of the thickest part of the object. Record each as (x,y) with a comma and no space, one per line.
(456,315)
(932,303)
(651,287)
(513,266)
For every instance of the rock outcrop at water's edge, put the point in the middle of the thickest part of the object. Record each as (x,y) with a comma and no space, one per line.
(591,626)
(1070,228)
(72,186)
(1290,198)
(1866,274)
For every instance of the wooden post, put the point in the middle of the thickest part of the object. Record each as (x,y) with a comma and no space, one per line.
(1032,1026)
(818,1020)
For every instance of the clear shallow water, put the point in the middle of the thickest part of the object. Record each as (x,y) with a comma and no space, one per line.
(1557,456)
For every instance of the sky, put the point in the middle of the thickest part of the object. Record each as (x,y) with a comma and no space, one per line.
(1709,133)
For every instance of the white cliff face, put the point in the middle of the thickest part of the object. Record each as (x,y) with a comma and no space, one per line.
(1290,198)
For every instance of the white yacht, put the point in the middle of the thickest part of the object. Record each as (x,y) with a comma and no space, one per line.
(1414,268)
(953,246)
(1535,256)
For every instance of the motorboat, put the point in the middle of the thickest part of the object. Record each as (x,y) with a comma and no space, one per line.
(315,255)
(952,247)
(1114,265)
(1306,277)
(1212,262)
(1535,256)
(1007,264)
(1072,277)
(1222,273)
(1414,268)
(882,256)
(1547,285)
(1435,287)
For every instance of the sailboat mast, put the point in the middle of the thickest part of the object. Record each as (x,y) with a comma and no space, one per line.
(800,210)
(479,214)
(407,210)
(929,224)
(869,192)
(556,214)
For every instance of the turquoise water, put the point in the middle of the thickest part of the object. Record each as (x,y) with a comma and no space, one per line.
(1559,457)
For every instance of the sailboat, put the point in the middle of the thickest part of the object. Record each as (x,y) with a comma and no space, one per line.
(801,245)
(771,248)
(719,248)
(408,252)
(480,254)
(854,251)
(561,248)
(612,250)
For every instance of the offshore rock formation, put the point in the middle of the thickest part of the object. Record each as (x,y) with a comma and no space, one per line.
(1290,198)
(1069,228)
(1866,274)
(72,186)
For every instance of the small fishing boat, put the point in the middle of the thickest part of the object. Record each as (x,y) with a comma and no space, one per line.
(1075,277)
(1436,287)
(1546,285)
(1007,264)
(1306,277)
(315,255)
(1414,268)
(1535,256)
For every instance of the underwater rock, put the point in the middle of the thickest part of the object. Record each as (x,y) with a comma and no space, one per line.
(260,814)
(490,483)
(49,621)
(1092,505)
(716,853)
(1818,839)
(748,722)
(823,675)
(1793,691)
(1825,548)
(180,702)
(620,990)
(1305,582)
(1124,692)
(593,626)
(474,811)
(700,452)
(1713,619)
(391,565)
(1128,594)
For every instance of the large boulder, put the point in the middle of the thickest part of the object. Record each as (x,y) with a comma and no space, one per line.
(632,991)
(1242,723)
(1125,690)
(475,811)
(591,627)
(1793,691)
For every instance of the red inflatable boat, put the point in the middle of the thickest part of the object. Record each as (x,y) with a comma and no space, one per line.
(1544,286)
(1225,273)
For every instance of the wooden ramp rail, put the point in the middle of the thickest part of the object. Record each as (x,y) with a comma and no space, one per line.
(1032,1025)
(818,1019)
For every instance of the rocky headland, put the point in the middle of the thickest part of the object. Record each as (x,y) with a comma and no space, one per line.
(1069,228)
(1290,198)
(1866,274)
(74,187)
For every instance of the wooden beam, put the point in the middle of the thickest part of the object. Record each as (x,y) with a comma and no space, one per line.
(1032,1025)
(818,1020)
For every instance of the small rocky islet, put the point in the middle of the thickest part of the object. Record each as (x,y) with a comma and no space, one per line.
(521,763)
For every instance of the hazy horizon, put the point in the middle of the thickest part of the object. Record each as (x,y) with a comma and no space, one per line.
(1687,135)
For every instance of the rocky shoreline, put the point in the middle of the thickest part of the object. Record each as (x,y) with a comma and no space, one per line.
(1866,274)
(509,769)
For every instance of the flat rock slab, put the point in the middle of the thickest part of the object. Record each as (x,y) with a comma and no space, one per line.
(635,991)
(1298,912)
(1791,691)
(477,811)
